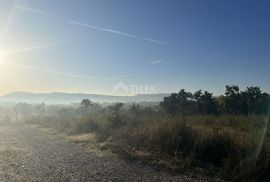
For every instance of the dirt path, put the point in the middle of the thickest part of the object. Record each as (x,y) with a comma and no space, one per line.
(28,154)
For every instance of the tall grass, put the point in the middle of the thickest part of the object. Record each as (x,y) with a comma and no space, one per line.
(233,146)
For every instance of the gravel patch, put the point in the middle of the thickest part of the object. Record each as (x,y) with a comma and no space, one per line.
(28,154)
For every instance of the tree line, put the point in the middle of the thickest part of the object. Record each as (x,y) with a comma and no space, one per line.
(234,101)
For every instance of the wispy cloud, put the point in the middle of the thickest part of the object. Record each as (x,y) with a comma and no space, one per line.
(37,11)
(126,75)
(118,32)
(60,73)
(4,55)
(28,49)
(29,9)
(156,61)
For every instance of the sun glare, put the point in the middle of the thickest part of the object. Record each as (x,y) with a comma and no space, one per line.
(2,59)
(1,56)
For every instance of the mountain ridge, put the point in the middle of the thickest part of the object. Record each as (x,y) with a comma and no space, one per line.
(62,97)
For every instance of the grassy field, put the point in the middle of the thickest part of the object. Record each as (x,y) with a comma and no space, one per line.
(234,147)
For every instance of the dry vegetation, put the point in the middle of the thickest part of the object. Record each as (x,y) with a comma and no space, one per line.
(187,132)
(232,146)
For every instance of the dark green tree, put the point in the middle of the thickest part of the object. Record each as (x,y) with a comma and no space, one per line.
(205,103)
(170,104)
(181,103)
(253,95)
(197,96)
(232,100)
(208,104)
(86,103)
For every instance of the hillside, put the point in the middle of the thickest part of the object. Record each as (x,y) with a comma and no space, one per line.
(58,97)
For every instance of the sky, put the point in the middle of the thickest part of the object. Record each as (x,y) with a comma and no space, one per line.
(89,46)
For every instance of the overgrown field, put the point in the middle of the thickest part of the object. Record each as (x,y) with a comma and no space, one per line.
(231,146)
(226,136)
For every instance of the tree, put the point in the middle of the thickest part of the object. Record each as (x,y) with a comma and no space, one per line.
(205,103)
(116,107)
(263,106)
(232,100)
(186,104)
(181,103)
(114,115)
(86,103)
(208,104)
(253,95)
(170,104)
(197,96)
(231,90)
(135,109)
(255,101)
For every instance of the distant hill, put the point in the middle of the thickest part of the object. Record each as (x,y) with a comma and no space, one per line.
(58,97)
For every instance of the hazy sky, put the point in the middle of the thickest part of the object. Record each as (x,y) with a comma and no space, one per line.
(90,45)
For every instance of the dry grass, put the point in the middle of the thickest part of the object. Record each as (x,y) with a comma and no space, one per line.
(226,145)
(82,138)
